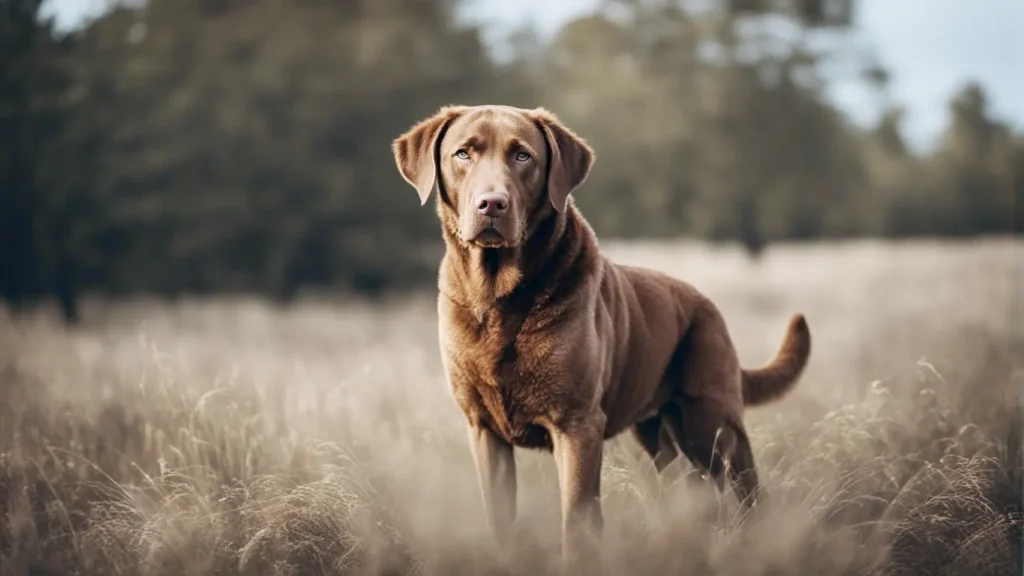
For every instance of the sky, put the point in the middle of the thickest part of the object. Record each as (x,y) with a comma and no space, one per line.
(929,58)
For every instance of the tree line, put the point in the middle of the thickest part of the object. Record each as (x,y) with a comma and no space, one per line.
(199,146)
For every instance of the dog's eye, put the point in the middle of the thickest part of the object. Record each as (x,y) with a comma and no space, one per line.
(462,154)
(522,157)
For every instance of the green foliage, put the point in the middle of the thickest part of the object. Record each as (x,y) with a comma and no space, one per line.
(193,147)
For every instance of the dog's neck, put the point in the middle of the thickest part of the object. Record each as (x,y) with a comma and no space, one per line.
(538,272)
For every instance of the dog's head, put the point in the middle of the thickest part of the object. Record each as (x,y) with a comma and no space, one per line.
(496,169)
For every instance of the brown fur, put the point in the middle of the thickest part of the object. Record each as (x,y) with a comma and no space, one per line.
(547,344)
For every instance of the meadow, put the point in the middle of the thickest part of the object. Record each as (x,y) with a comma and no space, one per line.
(227,436)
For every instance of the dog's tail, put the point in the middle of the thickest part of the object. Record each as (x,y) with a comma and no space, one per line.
(773,381)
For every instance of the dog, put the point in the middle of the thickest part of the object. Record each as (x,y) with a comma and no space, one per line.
(547,344)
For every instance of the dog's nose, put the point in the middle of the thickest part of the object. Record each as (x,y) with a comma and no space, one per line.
(492,204)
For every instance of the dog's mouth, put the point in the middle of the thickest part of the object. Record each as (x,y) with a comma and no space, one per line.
(489,237)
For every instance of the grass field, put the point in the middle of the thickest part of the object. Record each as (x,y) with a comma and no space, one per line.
(228,437)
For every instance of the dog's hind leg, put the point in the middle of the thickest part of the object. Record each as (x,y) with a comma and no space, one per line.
(742,472)
(705,414)
(715,446)
(703,437)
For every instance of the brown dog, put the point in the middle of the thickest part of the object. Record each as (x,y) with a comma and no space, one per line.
(547,344)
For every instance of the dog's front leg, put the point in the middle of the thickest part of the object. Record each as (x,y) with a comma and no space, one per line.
(496,473)
(578,449)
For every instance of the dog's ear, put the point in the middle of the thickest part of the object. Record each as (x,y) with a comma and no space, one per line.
(570,158)
(416,150)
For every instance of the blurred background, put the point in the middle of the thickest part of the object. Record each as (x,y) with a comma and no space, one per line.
(171,170)
(175,147)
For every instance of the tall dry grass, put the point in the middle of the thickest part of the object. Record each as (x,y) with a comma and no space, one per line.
(227,437)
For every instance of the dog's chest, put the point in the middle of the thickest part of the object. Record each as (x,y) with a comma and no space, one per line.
(500,379)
